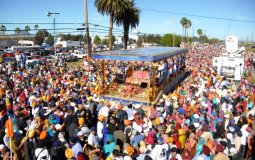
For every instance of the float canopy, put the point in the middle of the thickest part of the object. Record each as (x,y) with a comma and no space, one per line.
(151,54)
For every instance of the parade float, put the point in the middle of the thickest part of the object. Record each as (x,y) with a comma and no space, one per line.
(140,75)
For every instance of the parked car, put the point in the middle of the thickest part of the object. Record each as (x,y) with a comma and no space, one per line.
(71,57)
(48,58)
(35,62)
(68,57)
(8,54)
(30,60)
(10,60)
(79,54)
(1,51)
(37,57)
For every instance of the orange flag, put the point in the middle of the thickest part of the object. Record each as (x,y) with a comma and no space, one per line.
(9,127)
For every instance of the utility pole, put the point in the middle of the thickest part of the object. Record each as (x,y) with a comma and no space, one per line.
(87,30)
(54,24)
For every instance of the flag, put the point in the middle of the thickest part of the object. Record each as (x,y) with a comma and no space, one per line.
(9,127)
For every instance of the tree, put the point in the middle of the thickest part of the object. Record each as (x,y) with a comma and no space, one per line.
(112,8)
(97,40)
(3,29)
(169,39)
(36,28)
(183,22)
(129,19)
(40,36)
(200,32)
(49,40)
(203,39)
(27,29)
(186,23)
(157,39)
(131,41)
(113,39)
(105,42)
(139,42)
(17,31)
(85,41)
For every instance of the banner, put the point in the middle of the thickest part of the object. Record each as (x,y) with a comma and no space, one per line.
(9,127)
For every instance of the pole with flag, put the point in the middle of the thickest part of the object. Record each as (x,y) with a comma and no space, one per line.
(10,132)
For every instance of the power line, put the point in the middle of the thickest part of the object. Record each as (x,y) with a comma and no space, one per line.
(38,23)
(42,29)
(201,16)
(57,23)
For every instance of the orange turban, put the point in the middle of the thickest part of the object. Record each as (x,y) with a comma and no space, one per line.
(157,121)
(107,104)
(43,135)
(81,121)
(127,122)
(119,106)
(130,150)
(101,118)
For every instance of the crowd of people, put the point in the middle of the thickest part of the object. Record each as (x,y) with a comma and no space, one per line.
(57,114)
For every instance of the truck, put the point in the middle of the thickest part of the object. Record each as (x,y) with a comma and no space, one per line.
(232,61)
(68,44)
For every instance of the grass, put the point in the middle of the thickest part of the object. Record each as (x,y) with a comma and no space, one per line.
(76,64)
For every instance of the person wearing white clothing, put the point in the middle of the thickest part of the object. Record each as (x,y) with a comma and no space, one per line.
(104,111)
(174,154)
(92,139)
(244,137)
(160,151)
(100,127)
(41,153)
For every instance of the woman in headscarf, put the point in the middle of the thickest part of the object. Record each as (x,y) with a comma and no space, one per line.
(186,155)
(182,137)
(109,146)
(191,144)
(200,145)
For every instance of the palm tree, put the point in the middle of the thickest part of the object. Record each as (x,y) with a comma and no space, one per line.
(17,31)
(188,25)
(112,8)
(200,32)
(183,22)
(129,19)
(36,28)
(27,29)
(3,29)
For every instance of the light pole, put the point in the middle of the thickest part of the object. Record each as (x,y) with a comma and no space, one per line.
(49,14)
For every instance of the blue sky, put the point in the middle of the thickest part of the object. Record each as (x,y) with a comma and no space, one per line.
(34,11)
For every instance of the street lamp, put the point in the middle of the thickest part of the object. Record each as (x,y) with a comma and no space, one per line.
(49,14)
